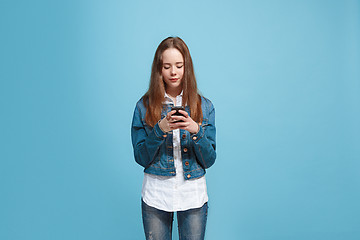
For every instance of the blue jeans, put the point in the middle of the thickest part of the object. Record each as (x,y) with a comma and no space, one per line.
(158,223)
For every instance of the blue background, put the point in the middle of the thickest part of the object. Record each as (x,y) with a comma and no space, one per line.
(285,81)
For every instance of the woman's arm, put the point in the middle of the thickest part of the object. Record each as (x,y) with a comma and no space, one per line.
(204,141)
(146,146)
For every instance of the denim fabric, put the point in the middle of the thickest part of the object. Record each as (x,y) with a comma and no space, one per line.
(153,149)
(158,223)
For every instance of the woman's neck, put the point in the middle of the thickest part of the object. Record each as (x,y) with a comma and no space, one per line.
(173,92)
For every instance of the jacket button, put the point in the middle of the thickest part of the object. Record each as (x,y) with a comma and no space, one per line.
(188,176)
(164,135)
(185,149)
(194,137)
(184,136)
(187,163)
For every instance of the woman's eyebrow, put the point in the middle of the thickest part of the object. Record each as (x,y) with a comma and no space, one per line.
(175,63)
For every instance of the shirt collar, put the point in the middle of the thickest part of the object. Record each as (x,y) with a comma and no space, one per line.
(168,100)
(167,96)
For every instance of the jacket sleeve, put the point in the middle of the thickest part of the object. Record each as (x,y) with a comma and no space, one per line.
(204,141)
(146,146)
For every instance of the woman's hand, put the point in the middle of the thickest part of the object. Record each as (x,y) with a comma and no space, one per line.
(187,123)
(164,124)
(169,122)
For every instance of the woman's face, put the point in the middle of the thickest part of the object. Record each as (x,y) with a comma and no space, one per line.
(172,69)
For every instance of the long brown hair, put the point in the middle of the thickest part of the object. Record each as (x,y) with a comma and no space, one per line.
(154,97)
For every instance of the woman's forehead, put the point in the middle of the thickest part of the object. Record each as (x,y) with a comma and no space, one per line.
(172,55)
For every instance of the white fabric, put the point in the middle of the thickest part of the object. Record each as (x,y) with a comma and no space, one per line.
(174,193)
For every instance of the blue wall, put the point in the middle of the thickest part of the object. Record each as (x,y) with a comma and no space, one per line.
(285,81)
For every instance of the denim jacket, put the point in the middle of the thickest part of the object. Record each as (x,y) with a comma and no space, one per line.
(153,148)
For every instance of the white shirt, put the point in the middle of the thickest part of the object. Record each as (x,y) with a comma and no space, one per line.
(174,193)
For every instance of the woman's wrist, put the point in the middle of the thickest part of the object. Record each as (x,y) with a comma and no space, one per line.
(196,129)
(162,125)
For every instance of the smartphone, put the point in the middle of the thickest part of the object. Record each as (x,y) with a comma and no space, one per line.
(177,108)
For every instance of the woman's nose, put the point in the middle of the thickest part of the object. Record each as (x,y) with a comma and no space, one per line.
(173,71)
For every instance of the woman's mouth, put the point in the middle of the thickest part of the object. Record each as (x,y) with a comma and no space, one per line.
(173,79)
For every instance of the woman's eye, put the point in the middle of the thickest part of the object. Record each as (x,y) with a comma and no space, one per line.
(180,66)
(166,67)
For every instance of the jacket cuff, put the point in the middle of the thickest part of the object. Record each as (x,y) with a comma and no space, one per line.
(197,136)
(158,132)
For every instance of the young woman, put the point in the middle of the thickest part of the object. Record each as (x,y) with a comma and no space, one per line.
(175,149)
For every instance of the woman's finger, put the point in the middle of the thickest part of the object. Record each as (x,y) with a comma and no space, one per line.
(168,116)
(184,113)
(178,118)
(176,125)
